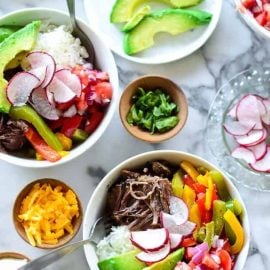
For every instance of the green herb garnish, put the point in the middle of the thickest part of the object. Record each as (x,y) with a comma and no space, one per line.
(153,111)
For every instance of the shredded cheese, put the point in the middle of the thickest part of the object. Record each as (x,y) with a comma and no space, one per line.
(47,214)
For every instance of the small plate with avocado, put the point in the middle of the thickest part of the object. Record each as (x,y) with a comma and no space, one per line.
(154,32)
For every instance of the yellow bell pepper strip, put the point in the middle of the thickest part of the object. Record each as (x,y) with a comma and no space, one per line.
(177,184)
(221,185)
(65,141)
(29,115)
(210,232)
(219,209)
(235,206)
(237,229)
(189,169)
(189,196)
(195,215)
(209,194)
(40,145)
(204,179)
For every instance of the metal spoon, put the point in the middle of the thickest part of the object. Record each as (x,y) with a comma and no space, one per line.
(98,231)
(77,32)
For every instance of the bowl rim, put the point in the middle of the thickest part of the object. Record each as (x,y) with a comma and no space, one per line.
(13,255)
(157,137)
(20,197)
(210,30)
(151,155)
(251,21)
(86,145)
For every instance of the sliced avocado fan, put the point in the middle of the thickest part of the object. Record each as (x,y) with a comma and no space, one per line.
(21,40)
(123,10)
(172,21)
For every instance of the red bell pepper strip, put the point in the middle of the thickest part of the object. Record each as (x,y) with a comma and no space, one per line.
(188,242)
(206,215)
(70,124)
(41,146)
(225,259)
(210,262)
(94,121)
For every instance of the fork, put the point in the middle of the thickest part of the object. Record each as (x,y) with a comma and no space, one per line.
(98,231)
(79,33)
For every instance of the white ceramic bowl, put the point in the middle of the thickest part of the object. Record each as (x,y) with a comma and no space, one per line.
(97,202)
(104,59)
(250,20)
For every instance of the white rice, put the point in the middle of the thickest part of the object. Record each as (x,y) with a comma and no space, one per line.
(59,42)
(116,243)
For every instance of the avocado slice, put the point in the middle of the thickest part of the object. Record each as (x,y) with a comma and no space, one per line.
(169,262)
(172,21)
(6,31)
(136,18)
(123,10)
(21,40)
(125,261)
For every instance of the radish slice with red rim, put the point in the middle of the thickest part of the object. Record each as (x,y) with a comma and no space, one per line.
(259,150)
(178,209)
(71,80)
(236,128)
(253,137)
(71,111)
(155,256)
(20,87)
(168,222)
(262,165)
(60,91)
(150,240)
(247,111)
(40,73)
(266,118)
(41,104)
(43,59)
(244,154)
(175,240)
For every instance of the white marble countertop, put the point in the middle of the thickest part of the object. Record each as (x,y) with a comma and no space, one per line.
(232,48)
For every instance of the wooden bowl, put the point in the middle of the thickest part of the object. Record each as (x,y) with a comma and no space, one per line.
(152,82)
(13,255)
(16,209)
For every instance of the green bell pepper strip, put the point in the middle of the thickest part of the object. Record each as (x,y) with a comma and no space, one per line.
(221,185)
(201,234)
(178,184)
(28,114)
(219,209)
(235,206)
(210,232)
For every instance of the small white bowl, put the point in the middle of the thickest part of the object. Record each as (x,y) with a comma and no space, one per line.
(250,20)
(97,202)
(104,59)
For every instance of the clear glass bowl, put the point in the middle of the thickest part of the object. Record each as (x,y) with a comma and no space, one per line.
(255,80)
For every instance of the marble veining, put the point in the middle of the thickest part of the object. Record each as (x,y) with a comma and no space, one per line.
(232,48)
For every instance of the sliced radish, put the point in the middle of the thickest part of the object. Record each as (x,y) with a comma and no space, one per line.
(261,106)
(262,165)
(244,153)
(50,97)
(253,137)
(236,128)
(179,210)
(41,104)
(248,112)
(71,80)
(168,222)
(175,240)
(71,111)
(43,59)
(155,256)
(60,91)
(40,73)
(259,150)
(20,87)
(150,240)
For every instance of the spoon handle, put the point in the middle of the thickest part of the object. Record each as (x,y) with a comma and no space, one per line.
(71,8)
(53,256)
